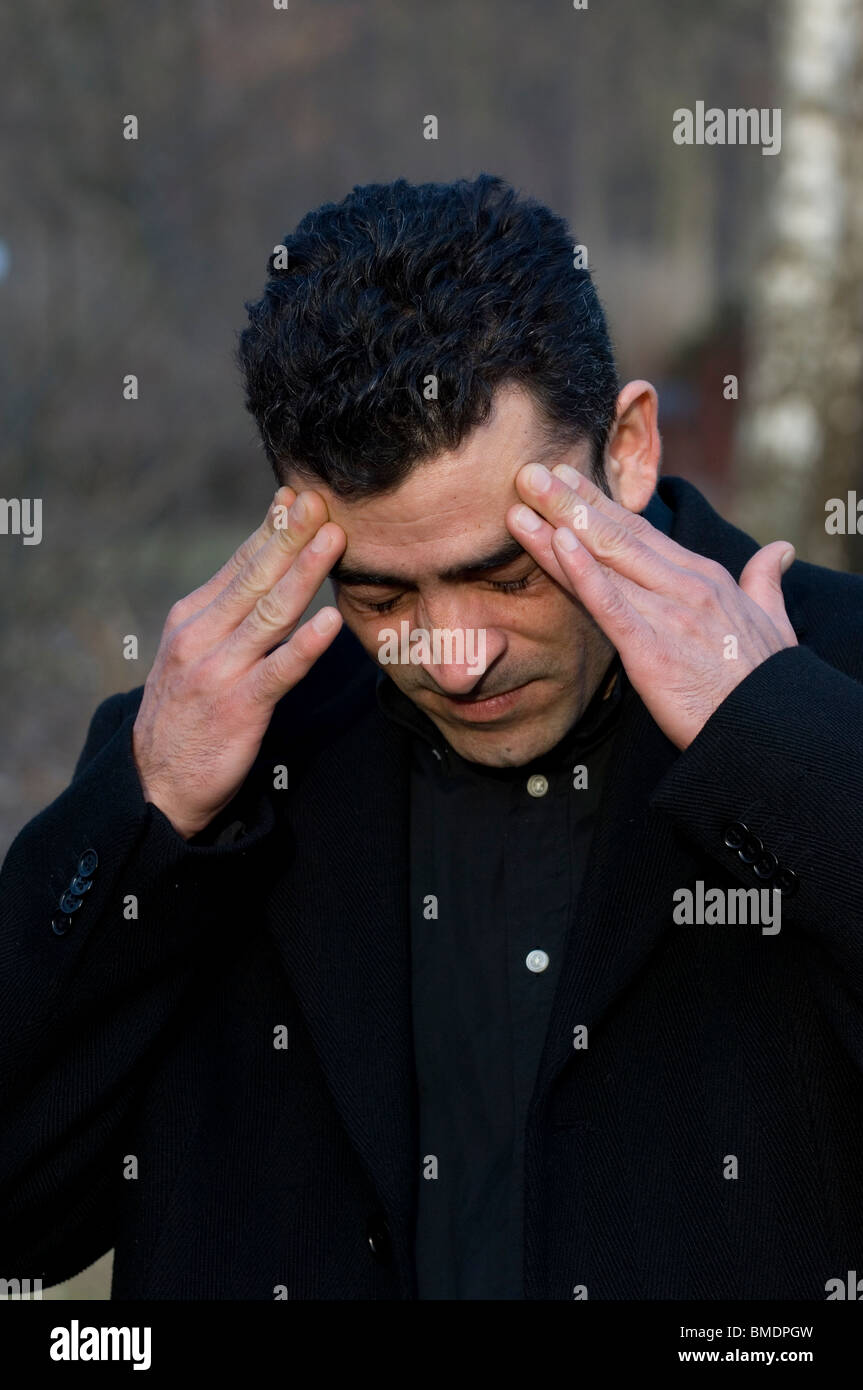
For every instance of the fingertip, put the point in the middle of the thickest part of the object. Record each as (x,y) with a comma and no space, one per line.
(326,619)
(568,475)
(525,519)
(565,539)
(283,498)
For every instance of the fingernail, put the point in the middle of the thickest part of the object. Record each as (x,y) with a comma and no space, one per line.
(565,538)
(321,541)
(299,511)
(787,560)
(324,621)
(538,477)
(527,520)
(567,475)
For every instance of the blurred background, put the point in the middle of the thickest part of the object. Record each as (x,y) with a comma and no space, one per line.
(732,279)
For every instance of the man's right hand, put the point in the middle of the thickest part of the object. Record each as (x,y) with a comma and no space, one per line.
(216,678)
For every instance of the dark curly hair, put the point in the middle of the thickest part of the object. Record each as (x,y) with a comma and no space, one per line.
(463,281)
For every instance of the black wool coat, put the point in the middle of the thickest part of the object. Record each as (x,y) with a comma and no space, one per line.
(211,1070)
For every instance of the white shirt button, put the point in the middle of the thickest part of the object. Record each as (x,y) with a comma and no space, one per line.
(537,785)
(537,961)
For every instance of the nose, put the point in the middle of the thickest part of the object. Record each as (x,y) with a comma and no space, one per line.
(459,648)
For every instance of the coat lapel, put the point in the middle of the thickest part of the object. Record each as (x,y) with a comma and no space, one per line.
(340,920)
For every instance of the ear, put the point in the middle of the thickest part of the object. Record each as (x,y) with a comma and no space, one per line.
(634,449)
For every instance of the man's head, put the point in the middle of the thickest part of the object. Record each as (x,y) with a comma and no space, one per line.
(421,345)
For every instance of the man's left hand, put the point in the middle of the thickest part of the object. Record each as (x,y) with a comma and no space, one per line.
(687,634)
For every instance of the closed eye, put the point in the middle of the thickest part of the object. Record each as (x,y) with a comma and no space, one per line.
(504,586)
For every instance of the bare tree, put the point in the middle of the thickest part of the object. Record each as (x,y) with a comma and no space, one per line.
(802,429)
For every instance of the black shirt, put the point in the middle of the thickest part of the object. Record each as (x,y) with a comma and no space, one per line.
(497,856)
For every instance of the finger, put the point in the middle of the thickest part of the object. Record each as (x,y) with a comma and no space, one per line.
(199,599)
(277,611)
(761,580)
(539,539)
(610,540)
(535,533)
(580,504)
(614,604)
(632,562)
(264,567)
(290,662)
(537,536)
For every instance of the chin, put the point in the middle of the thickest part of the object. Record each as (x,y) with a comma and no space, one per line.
(508,747)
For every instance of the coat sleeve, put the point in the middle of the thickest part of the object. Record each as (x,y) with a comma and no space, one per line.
(780,765)
(87,994)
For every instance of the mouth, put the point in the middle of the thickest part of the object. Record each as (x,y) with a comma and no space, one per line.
(472,710)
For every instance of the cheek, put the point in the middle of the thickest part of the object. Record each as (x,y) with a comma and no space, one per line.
(550,618)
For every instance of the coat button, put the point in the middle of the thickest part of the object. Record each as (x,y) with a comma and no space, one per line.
(378,1236)
(751,849)
(60,924)
(69,903)
(80,885)
(787,881)
(88,863)
(765,865)
(735,834)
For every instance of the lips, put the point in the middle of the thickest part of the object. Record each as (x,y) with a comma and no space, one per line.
(480,699)
(489,707)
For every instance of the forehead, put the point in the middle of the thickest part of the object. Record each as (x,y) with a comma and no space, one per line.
(449,509)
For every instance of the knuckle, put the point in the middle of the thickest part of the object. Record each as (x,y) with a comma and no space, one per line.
(177,614)
(268,678)
(180,645)
(609,540)
(249,584)
(261,682)
(285,535)
(703,591)
(615,603)
(710,569)
(268,611)
(241,557)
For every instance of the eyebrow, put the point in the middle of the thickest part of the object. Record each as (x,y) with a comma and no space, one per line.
(504,554)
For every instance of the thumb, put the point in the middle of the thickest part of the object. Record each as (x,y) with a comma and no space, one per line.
(761,579)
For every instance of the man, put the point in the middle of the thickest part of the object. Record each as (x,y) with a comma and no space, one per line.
(527,969)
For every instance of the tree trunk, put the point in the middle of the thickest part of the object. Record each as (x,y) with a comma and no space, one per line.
(801,437)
